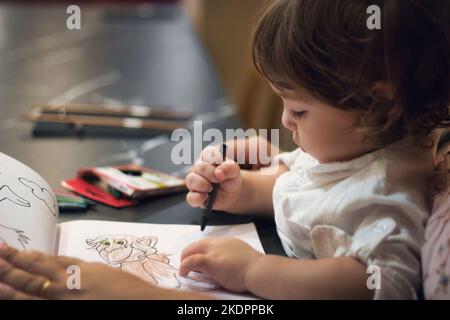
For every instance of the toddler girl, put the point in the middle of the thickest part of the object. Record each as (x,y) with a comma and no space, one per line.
(363,107)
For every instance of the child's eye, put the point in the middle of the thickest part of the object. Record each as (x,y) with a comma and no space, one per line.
(297,114)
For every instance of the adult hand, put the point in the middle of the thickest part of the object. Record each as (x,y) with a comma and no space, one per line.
(35,275)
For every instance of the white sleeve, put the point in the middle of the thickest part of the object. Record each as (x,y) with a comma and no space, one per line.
(387,244)
(286,158)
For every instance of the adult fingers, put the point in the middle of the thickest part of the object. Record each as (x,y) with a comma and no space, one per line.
(33,262)
(21,281)
(8,293)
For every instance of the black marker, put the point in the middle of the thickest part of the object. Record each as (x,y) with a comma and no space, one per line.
(72,207)
(212,194)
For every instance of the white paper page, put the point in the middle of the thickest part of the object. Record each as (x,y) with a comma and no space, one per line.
(28,208)
(151,251)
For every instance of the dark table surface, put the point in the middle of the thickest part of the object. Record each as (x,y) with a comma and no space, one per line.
(146,55)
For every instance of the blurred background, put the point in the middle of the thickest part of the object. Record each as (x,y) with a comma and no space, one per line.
(188,56)
(224,28)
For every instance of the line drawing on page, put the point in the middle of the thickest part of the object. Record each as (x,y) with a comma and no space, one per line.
(7,194)
(138,256)
(12,236)
(40,193)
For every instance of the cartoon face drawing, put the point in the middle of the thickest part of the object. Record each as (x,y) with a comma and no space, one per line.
(138,256)
(119,248)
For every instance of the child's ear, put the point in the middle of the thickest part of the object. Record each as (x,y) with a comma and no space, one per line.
(386,91)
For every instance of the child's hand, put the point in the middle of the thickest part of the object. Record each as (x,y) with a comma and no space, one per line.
(252,153)
(211,169)
(225,260)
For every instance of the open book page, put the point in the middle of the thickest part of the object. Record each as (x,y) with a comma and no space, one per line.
(151,251)
(28,208)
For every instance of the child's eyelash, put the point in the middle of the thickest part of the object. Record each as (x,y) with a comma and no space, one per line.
(297,114)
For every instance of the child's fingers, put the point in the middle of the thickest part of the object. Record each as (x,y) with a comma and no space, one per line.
(200,246)
(196,199)
(212,155)
(228,172)
(196,262)
(205,170)
(197,183)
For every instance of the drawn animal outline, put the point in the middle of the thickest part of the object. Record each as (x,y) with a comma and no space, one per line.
(17,234)
(40,193)
(138,256)
(7,194)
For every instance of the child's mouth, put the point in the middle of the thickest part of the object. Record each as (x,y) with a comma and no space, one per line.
(294,137)
(297,141)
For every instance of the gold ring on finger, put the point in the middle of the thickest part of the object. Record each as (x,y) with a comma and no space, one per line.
(45,287)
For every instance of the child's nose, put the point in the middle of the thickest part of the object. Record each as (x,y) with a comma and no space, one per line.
(287,121)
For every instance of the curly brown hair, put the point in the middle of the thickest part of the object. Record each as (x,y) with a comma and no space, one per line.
(326,47)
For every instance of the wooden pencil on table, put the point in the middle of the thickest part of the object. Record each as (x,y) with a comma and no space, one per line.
(112,110)
(100,121)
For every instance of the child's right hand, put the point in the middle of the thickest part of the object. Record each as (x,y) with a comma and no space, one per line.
(211,169)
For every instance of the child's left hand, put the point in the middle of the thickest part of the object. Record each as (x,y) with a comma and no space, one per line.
(225,260)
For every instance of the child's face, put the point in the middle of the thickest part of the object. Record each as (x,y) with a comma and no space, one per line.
(327,133)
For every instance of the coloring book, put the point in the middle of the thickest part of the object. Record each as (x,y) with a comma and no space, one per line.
(29,220)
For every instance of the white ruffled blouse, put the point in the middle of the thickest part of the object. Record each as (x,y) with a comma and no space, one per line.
(372,208)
